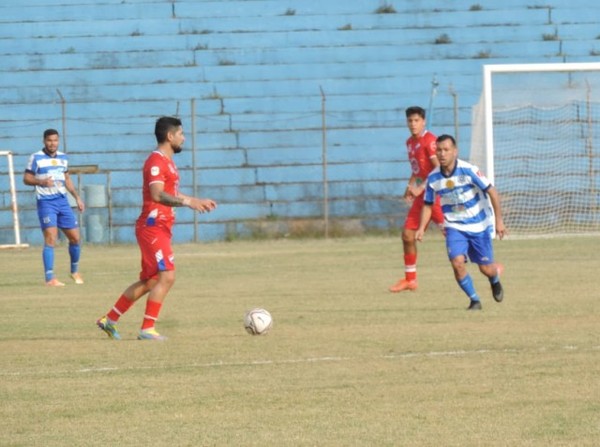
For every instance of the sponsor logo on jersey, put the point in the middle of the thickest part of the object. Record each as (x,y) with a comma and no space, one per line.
(450,184)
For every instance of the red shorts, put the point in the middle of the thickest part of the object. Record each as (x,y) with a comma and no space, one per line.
(413,219)
(157,254)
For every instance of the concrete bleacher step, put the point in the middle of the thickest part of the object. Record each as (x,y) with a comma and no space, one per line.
(63,15)
(117,39)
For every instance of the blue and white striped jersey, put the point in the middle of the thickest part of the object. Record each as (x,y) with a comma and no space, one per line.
(463,197)
(43,166)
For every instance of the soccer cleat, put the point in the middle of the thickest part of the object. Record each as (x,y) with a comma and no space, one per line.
(475,305)
(110,327)
(55,283)
(150,334)
(497,292)
(77,278)
(403,285)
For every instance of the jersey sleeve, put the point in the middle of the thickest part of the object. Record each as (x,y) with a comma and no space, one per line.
(155,171)
(31,165)
(430,147)
(479,179)
(429,196)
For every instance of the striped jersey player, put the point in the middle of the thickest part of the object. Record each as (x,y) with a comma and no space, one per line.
(469,218)
(48,171)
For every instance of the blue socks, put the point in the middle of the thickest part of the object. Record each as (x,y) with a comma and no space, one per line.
(48,257)
(74,253)
(467,285)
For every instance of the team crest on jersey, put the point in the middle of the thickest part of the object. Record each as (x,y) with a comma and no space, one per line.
(462,179)
(450,184)
(154,170)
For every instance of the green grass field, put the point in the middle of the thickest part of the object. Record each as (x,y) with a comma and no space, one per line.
(346,364)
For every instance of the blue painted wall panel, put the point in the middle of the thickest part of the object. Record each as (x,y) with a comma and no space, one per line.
(258,94)
(238,176)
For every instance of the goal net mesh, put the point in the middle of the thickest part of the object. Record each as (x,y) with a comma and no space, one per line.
(546,150)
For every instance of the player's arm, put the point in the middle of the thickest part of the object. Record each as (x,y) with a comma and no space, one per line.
(71,188)
(495,201)
(417,187)
(158,194)
(30,179)
(409,196)
(198,204)
(425,218)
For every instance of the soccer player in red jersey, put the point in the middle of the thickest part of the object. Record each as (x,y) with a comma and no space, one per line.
(422,158)
(153,231)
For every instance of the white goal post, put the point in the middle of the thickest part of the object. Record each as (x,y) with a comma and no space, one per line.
(13,203)
(536,136)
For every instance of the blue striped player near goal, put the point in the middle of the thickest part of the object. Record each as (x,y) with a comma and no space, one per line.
(469,218)
(48,171)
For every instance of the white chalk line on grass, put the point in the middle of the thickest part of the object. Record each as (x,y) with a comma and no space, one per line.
(324,359)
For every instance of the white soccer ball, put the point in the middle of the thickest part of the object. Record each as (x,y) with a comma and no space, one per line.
(258,321)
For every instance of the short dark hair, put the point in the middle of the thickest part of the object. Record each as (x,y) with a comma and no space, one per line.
(415,110)
(164,125)
(445,137)
(49,132)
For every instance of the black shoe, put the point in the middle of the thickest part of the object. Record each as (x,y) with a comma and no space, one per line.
(497,292)
(475,305)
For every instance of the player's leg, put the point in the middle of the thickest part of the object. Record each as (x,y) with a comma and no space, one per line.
(163,271)
(67,222)
(409,245)
(108,323)
(154,303)
(457,244)
(135,291)
(50,237)
(482,253)
(48,223)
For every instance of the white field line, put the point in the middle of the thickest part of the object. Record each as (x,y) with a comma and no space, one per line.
(219,364)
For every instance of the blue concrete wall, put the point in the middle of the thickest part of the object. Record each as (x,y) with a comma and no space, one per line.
(254,70)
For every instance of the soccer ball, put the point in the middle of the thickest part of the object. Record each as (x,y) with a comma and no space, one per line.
(258,321)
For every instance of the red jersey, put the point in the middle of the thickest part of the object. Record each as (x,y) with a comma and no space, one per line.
(158,168)
(420,151)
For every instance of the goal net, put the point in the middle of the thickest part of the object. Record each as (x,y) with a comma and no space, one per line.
(10,234)
(536,135)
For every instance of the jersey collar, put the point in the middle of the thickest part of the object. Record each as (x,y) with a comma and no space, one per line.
(49,154)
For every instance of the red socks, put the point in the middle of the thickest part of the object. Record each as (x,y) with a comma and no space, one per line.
(151,314)
(121,306)
(410,267)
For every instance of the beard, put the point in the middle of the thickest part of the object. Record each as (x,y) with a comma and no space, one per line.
(177,149)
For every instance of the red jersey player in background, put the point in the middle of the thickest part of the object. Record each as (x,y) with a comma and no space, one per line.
(153,231)
(422,158)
